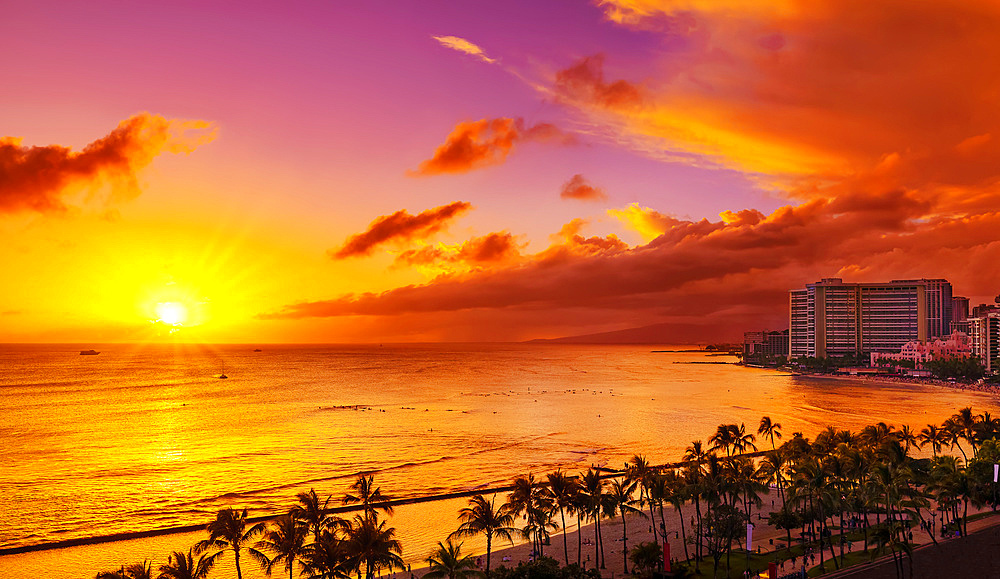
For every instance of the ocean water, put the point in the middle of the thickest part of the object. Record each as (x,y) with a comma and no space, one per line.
(146,437)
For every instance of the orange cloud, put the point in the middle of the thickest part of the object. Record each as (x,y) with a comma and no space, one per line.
(648,223)
(696,271)
(476,144)
(811,97)
(40,178)
(400,226)
(463,45)
(578,188)
(569,242)
(491,250)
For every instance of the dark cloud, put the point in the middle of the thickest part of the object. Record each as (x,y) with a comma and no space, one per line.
(38,178)
(578,188)
(476,144)
(400,226)
(584,81)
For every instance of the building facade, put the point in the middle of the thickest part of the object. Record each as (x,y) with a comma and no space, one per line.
(959,314)
(957,345)
(940,304)
(984,333)
(765,345)
(833,318)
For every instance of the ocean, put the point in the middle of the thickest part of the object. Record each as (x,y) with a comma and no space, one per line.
(148,437)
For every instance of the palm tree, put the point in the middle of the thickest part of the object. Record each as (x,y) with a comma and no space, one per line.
(621,494)
(373,545)
(874,435)
(741,440)
(772,469)
(747,484)
(286,540)
(580,507)
(988,427)
(327,558)
(640,471)
(449,562)
(965,425)
(562,490)
(593,486)
(181,566)
(907,437)
(646,558)
(694,474)
(228,532)
(953,432)
(723,438)
(934,436)
(312,513)
(814,484)
(660,488)
(484,517)
(134,571)
(677,496)
(534,502)
(769,429)
(368,495)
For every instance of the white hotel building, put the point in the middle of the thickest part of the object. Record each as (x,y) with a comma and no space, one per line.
(833,318)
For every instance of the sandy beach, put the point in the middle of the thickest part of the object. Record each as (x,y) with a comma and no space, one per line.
(766,539)
(639,531)
(910,381)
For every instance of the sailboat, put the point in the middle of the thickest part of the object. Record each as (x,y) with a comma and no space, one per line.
(223,375)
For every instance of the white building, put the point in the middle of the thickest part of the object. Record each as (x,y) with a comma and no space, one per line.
(985,336)
(833,318)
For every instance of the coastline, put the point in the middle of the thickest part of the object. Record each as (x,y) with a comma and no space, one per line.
(985,387)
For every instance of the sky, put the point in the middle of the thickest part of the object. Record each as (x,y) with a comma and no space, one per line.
(401,171)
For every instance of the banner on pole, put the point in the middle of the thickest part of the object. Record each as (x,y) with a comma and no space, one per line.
(749,535)
(666,555)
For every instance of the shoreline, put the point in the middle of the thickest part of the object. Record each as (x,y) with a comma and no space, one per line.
(984,387)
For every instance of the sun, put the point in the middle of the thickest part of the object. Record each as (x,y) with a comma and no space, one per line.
(172,313)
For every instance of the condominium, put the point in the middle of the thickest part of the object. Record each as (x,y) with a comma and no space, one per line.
(959,314)
(940,304)
(985,335)
(833,318)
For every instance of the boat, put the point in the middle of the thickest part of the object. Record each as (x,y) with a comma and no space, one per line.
(257,350)
(89,352)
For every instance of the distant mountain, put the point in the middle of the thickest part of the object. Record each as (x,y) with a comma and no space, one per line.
(667,333)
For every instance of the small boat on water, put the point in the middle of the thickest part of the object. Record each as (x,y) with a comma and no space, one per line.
(257,350)
(89,352)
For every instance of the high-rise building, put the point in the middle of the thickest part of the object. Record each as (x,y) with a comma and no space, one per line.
(959,314)
(939,305)
(983,309)
(985,335)
(833,318)
(959,308)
